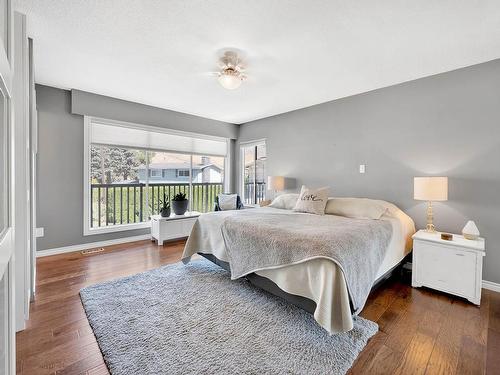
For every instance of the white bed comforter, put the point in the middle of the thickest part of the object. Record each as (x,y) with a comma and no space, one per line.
(320,280)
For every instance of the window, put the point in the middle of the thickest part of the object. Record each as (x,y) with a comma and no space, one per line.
(170,183)
(116,195)
(129,173)
(208,181)
(155,173)
(253,158)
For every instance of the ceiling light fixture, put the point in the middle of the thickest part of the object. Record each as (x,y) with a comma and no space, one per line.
(230,76)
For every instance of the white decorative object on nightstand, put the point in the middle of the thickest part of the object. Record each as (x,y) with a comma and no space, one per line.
(453,267)
(175,226)
(470,231)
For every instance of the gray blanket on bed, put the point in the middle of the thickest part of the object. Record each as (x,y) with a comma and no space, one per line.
(256,241)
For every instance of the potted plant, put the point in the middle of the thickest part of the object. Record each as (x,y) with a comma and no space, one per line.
(165,207)
(180,203)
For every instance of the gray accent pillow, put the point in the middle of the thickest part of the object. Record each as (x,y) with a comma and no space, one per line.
(227,201)
(312,201)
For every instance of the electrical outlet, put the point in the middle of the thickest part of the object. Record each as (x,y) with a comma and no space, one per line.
(362,168)
(39,232)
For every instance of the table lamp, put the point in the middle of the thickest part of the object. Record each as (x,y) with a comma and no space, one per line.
(430,189)
(276,183)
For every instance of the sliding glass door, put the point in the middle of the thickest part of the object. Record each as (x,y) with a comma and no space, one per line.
(253,165)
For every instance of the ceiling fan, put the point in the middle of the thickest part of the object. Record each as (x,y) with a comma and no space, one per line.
(231,71)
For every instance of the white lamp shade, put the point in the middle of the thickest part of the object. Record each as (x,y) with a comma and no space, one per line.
(276,183)
(430,188)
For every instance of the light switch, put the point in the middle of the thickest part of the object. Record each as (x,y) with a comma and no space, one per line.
(39,232)
(362,168)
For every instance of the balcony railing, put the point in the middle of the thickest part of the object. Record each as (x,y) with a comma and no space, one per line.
(254,193)
(114,204)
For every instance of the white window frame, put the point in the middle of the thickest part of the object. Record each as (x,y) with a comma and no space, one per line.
(87,229)
(183,170)
(243,145)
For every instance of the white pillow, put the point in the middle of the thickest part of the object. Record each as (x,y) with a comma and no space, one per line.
(285,201)
(312,201)
(358,208)
(392,209)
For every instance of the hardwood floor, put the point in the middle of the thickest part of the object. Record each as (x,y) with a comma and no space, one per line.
(420,331)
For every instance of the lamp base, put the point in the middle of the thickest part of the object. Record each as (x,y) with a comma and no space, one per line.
(430,228)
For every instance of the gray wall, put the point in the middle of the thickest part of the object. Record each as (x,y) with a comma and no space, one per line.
(448,124)
(85,103)
(60,157)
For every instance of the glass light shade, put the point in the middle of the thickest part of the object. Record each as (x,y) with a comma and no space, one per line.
(276,183)
(430,188)
(230,81)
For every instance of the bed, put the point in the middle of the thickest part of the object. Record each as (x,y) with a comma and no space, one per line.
(317,284)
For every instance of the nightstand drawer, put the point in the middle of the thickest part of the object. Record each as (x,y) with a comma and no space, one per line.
(445,268)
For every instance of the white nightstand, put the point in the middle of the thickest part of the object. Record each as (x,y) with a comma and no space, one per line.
(454,267)
(175,226)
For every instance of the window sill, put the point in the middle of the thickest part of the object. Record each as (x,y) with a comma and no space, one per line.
(116,228)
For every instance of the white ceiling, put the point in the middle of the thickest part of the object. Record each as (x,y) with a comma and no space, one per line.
(299,53)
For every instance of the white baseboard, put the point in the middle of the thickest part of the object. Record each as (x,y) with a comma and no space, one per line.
(491,286)
(91,245)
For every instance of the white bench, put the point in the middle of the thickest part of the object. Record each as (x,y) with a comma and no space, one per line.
(172,227)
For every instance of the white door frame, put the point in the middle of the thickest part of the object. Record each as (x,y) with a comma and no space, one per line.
(21,176)
(33,146)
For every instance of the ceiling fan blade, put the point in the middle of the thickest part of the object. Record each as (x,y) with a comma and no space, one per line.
(211,74)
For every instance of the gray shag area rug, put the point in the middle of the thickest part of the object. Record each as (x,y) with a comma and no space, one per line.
(192,319)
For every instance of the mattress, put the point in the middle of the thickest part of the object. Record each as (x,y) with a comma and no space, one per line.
(320,280)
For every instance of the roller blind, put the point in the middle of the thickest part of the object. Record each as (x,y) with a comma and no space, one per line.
(148,138)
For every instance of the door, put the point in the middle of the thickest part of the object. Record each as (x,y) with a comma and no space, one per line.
(7,331)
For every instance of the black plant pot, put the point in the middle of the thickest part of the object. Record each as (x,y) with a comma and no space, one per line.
(165,212)
(180,207)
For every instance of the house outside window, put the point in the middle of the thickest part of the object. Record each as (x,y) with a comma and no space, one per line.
(253,166)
